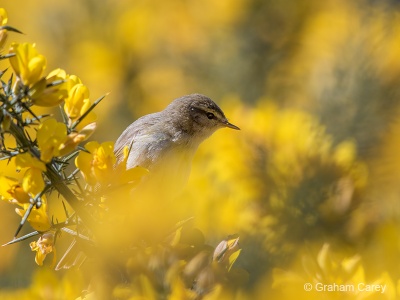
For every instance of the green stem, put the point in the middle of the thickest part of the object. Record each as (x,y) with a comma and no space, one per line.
(69,196)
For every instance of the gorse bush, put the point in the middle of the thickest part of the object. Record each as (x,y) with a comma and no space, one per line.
(43,150)
(301,203)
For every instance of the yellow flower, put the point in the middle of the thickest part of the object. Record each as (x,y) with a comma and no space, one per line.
(97,165)
(38,218)
(75,138)
(3,32)
(43,93)
(32,181)
(50,136)
(78,101)
(53,140)
(27,63)
(44,246)
(11,190)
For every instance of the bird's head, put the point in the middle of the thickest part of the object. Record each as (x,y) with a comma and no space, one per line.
(197,115)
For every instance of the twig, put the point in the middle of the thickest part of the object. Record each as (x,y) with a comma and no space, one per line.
(87,112)
(22,238)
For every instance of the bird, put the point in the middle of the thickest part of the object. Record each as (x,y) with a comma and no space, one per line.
(165,142)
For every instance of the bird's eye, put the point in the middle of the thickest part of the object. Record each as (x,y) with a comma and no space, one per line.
(210,115)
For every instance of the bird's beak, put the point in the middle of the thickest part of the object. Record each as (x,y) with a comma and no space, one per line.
(230,125)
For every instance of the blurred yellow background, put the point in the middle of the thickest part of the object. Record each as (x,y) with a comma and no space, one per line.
(310,183)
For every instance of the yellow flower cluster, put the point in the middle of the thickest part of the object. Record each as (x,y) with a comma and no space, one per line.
(42,160)
(36,158)
(98,165)
(279,151)
(51,90)
(12,191)
(313,192)
(20,193)
(53,139)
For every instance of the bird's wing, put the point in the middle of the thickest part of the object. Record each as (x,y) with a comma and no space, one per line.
(125,139)
(142,126)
